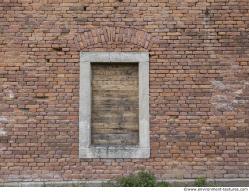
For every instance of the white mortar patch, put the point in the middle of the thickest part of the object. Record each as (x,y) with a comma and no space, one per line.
(238,92)
(3,119)
(219,85)
(11,94)
(222,103)
(2,132)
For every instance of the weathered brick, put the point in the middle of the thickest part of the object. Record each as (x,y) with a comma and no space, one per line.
(199,86)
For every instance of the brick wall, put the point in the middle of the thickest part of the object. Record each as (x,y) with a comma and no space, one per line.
(199,85)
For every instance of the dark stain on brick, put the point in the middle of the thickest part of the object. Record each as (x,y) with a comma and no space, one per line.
(193,136)
(219,78)
(65,30)
(41,97)
(207,12)
(78,8)
(4,139)
(239,133)
(24,109)
(59,49)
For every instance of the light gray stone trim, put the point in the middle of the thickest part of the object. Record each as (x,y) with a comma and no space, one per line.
(86,150)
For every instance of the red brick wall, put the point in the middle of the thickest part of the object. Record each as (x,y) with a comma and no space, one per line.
(199,85)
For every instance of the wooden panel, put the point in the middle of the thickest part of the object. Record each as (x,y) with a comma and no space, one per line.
(114,103)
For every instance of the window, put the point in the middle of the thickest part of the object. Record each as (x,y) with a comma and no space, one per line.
(114,105)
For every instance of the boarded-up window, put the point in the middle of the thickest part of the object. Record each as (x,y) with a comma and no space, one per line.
(114,104)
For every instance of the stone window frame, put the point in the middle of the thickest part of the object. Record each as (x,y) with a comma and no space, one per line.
(86,150)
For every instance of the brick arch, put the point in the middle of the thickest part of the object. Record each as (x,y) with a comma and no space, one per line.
(107,35)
